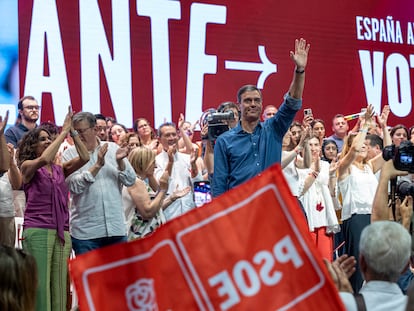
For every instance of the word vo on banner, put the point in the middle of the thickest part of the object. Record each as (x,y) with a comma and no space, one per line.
(249,249)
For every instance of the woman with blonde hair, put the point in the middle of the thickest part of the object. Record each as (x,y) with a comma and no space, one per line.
(145,200)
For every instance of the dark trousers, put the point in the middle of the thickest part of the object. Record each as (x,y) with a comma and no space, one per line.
(352,232)
(84,246)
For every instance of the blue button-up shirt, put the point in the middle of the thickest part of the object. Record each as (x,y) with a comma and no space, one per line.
(15,133)
(239,156)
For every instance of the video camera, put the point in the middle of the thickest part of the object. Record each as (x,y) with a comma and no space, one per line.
(216,123)
(402,156)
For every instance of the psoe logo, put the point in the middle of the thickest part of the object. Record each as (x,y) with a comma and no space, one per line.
(140,296)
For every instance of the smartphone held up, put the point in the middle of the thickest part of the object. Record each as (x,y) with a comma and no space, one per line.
(202,192)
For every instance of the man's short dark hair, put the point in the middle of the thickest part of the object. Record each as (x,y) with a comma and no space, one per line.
(99,116)
(247,88)
(21,100)
(164,125)
(226,105)
(51,127)
(375,140)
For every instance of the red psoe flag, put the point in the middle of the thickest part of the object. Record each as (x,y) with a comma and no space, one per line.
(249,249)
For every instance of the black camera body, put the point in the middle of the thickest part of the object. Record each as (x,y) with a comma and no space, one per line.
(402,156)
(217,125)
(404,188)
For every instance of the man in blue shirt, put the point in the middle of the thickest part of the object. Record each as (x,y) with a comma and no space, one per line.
(252,146)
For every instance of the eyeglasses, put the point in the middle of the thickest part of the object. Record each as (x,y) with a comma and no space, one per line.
(102,128)
(32,107)
(81,131)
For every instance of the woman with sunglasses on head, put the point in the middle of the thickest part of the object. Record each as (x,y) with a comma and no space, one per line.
(46,219)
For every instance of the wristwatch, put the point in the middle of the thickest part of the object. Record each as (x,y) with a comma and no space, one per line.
(74,133)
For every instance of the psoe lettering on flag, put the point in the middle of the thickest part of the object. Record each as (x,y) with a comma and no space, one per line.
(247,250)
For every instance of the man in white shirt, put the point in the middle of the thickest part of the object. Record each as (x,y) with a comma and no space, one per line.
(97,215)
(183,170)
(385,249)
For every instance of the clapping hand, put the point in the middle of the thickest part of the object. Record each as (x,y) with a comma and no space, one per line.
(121,153)
(163,182)
(101,154)
(180,193)
(67,123)
(383,117)
(171,151)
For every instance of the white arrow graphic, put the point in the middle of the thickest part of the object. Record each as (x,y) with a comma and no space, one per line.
(266,67)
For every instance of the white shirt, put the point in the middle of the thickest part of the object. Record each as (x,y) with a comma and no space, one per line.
(6,197)
(97,209)
(319,194)
(378,296)
(179,179)
(291,175)
(358,191)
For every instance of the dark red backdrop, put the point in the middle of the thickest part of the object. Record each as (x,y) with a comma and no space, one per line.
(334,79)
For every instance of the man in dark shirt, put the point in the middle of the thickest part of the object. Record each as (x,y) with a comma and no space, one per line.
(29,114)
(252,146)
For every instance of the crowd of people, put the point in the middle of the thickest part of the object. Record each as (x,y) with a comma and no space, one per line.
(95,182)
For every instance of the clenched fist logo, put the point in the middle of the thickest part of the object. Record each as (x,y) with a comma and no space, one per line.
(140,296)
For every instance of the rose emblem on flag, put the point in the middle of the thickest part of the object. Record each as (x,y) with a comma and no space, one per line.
(140,296)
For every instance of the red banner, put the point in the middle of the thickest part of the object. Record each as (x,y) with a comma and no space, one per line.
(247,250)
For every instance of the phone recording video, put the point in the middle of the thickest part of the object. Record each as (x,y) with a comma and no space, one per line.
(202,192)
(307,112)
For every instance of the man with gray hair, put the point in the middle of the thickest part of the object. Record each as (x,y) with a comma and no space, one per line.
(385,249)
(97,217)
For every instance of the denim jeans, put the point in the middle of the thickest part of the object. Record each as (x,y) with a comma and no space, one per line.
(84,246)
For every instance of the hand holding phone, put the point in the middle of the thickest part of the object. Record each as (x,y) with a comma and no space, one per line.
(307,112)
(202,192)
